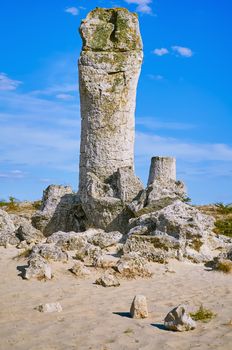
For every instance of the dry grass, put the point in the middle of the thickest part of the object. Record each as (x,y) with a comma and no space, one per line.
(223,216)
(202,314)
(224,266)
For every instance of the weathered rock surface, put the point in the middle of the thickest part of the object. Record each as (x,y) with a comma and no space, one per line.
(109,68)
(26,232)
(139,307)
(104,239)
(37,268)
(162,189)
(49,252)
(132,265)
(106,261)
(7,230)
(79,269)
(48,308)
(61,211)
(178,230)
(179,320)
(90,254)
(68,240)
(108,280)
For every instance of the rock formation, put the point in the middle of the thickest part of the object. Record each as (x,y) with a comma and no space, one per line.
(109,68)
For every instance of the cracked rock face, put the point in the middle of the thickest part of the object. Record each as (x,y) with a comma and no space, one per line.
(109,68)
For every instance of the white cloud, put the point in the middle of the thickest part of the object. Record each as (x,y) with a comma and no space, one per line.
(7,84)
(13,174)
(155,77)
(72,10)
(161,52)
(183,51)
(188,151)
(154,124)
(143,5)
(66,97)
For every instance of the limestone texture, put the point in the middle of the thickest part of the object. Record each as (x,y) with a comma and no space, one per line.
(176,231)
(162,188)
(60,211)
(179,320)
(50,307)
(139,307)
(109,68)
(37,268)
(108,280)
(79,269)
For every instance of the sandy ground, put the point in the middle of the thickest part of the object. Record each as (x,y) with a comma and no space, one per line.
(96,318)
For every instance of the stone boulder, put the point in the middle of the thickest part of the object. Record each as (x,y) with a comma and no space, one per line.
(79,269)
(89,254)
(139,307)
(37,268)
(103,239)
(179,320)
(49,252)
(60,211)
(27,232)
(68,240)
(132,265)
(176,231)
(7,230)
(48,308)
(108,280)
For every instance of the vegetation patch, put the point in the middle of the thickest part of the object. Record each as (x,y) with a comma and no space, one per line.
(202,314)
(224,227)
(224,266)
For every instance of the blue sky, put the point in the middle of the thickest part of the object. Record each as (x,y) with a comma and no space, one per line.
(184,105)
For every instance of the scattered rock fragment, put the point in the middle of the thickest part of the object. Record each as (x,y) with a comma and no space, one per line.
(48,308)
(26,232)
(108,280)
(49,252)
(139,307)
(132,265)
(79,269)
(38,268)
(179,320)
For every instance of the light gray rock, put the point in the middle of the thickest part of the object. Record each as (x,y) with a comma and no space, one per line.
(48,308)
(104,239)
(68,240)
(79,269)
(37,268)
(163,168)
(108,280)
(139,307)
(60,211)
(176,231)
(178,319)
(7,230)
(106,261)
(49,252)
(132,265)
(109,67)
(90,254)
(26,232)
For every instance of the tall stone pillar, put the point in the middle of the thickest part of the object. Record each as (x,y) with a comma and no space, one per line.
(163,168)
(109,68)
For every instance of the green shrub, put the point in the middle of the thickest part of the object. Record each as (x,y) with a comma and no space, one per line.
(224,208)
(202,314)
(224,227)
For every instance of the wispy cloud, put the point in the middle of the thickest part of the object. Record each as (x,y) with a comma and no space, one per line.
(143,6)
(72,10)
(161,52)
(13,174)
(155,124)
(8,84)
(183,51)
(157,77)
